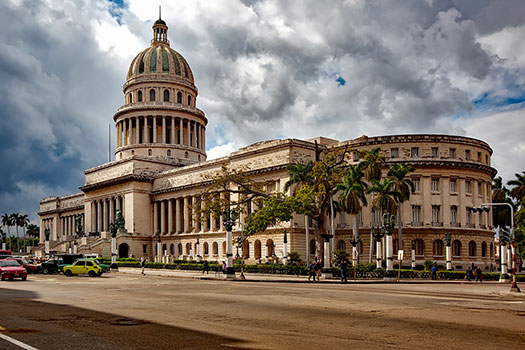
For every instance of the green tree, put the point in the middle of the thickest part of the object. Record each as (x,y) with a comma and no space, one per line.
(372,163)
(518,191)
(398,173)
(519,221)
(385,196)
(23,221)
(33,231)
(500,194)
(352,189)
(6,221)
(14,222)
(299,174)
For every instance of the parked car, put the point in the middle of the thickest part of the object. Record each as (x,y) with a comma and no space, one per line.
(105,267)
(11,269)
(83,266)
(51,266)
(68,259)
(30,267)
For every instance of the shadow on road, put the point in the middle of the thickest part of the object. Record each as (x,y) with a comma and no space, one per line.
(52,326)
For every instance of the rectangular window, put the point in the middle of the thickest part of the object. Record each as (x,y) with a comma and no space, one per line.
(356,156)
(436,214)
(467,154)
(453,214)
(486,159)
(468,219)
(480,188)
(453,185)
(417,185)
(479,157)
(434,152)
(394,153)
(416,215)
(467,187)
(452,153)
(435,185)
(414,152)
(144,248)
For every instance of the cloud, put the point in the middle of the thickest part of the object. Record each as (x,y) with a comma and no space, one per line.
(265,69)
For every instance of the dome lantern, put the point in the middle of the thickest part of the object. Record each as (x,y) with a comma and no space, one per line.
(160,31)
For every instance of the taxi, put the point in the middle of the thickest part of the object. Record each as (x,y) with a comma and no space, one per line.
(83,267)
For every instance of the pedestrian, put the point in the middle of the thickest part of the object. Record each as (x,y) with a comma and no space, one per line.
(343,265)
(224,267)
(205,267)
(311,271)
(479,274)
(468,274)
(142,265)
(434,272)
(318,269)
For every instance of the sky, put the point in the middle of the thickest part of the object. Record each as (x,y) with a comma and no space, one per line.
(265,69)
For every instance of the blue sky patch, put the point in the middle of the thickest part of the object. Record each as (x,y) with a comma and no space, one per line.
(115,10)
(340,81)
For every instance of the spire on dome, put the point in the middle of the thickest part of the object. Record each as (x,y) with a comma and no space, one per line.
(160,30)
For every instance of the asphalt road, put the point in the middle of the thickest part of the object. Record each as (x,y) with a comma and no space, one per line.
(119,311)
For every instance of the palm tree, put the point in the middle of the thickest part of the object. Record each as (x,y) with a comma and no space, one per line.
(353,195)
(518,191)
(14,222)
(500,194)
(2,233)
(386,197)
(23,221)
(6,221)
(33,231)
(299,174)
(402,184)
(372,163)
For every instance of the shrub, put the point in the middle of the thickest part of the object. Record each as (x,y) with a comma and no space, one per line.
(293,258)
(429,264)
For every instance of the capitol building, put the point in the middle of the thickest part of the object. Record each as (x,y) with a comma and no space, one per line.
(160,172)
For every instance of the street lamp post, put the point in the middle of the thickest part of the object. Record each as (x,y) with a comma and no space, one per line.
(448,240)
(198,249)
(229,217)
(354,243)
(159,248)
(326,259)
(285,247)
(378,236)
(389,222)
(413,254)
(46,244)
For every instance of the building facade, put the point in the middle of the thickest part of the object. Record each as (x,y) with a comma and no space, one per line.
(160,172)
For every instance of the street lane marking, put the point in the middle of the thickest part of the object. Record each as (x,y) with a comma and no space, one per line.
(16,342)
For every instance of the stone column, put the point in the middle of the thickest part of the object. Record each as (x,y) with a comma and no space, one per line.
(137,130)
(189,132)
(413,256)
(111,210)
(155,218)
(186,214)
(170,216)
(378,253)
(504,277)
(99,216)
(93,216)
(163,129)
(197,136)
(178,221)
(117,203)
(117,127)
(128,134)
(449,257)
(145,136)
(203,138)
(172,138)
(106,215)
(181,128)
(154,129)
(162,217)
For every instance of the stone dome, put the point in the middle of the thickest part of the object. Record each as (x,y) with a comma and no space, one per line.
(161,59)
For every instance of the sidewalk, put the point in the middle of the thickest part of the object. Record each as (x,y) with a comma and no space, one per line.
(278,278)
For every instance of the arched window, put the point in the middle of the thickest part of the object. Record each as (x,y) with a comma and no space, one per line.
(205,248)
(483,249)
(341,245)
(179,97)
(132,152)
(149,152)
(215,248)
(152,95)
(130,98)
(172,249)
(471,248)
(271,248)
(195,248)
(491,249)
(168,153)
(164,248)
(140,96)
(224,248)
(312,247)
(189,100)
(188,249)
(360,247)
(437,247)
(395,244)
(246,249)
(166,96)
(420,247)
(456,248)
(179,248)
(186,154)
(257,249)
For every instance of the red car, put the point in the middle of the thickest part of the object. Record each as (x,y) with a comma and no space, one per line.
(11,269)
(30,268)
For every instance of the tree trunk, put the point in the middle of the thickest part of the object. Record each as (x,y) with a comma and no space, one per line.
(400,230)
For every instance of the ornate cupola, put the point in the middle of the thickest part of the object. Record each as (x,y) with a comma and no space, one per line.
(159,118)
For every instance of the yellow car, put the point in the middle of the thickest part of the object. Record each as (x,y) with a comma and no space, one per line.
(83,266)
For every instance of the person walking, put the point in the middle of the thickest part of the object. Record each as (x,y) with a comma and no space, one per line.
(343,265)
(434,272)
(468,275)
(318,269)
(311,271)
(224,267)
(205,267)
(479,274)
(142,265)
